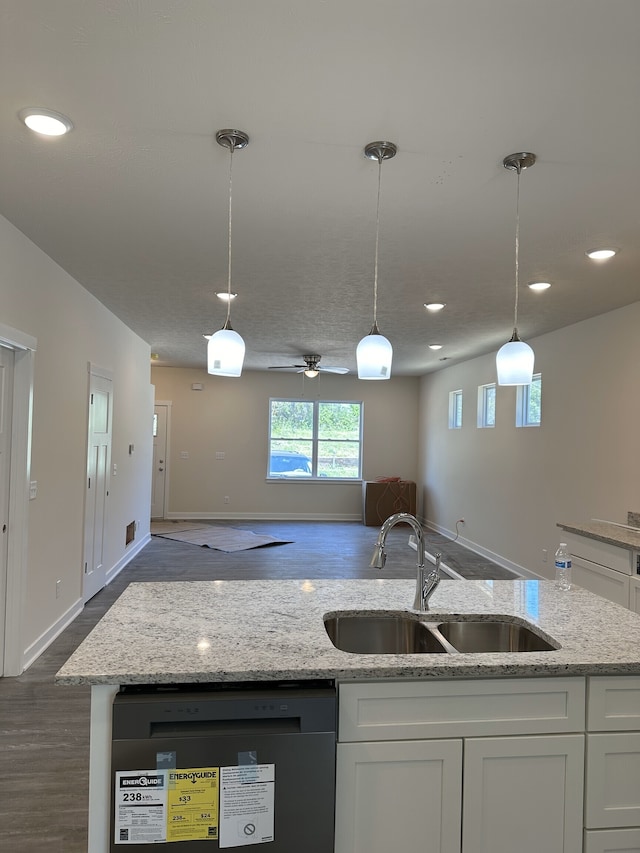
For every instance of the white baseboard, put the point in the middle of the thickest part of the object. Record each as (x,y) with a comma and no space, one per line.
(262,516)
(45,639)
(430,558)
(126,558)
(518,570)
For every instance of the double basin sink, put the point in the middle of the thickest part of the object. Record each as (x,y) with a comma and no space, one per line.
(404,633)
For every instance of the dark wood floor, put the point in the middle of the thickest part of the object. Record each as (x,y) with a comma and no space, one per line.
(44,729)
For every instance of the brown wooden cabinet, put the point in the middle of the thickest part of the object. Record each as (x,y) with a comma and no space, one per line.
(382,499)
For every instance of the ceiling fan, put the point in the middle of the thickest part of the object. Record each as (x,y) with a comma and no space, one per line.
(311,367)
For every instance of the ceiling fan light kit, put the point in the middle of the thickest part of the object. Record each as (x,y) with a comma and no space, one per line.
(225,350)
(311,367)
(515,359)
(374,353)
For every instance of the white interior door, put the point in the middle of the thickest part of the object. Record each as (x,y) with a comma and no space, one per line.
(6,397)
(160,460)
(97,485)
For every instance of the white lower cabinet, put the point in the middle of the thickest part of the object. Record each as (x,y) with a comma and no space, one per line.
(399,796)
(538,765)
(423,797)
(524,788)
(609,570)
(609,583)
(612,799)
(507,789)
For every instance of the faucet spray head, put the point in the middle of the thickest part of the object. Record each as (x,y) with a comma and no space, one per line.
(379,556)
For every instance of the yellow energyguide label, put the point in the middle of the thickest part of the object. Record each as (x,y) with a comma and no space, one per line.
(192,804)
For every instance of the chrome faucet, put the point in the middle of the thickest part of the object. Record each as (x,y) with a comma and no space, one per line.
(426,582)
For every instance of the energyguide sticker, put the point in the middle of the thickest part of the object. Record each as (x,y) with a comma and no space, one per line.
(159,806)
(231,805)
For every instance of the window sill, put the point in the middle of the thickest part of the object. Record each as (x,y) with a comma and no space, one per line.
(313,480)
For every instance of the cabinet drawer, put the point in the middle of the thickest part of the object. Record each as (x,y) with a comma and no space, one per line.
(612,780)
(612,841)
(614,704)
(608,583)
(399,710)
(610,556)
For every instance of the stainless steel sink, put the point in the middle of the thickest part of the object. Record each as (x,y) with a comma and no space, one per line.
(404,633)
(367,634)
(492,636)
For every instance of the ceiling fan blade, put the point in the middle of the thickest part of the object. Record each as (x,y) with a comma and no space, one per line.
(340,370)
(287,367)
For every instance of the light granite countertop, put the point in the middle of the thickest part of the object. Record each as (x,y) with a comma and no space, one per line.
(225,631)
(606,531)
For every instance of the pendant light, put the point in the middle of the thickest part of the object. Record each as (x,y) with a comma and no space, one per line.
(374,352)
(225,350)
(514,361)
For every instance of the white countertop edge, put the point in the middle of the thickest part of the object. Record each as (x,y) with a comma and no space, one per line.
(605,531)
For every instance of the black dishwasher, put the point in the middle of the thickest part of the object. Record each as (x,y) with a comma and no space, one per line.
(206,767)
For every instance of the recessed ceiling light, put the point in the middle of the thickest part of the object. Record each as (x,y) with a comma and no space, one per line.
(435,346)
(226,297)
(434,306)
(601,254)
(45,122)
(539,285)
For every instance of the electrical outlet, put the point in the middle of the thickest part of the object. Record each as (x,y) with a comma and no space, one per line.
(545,555)
(227,499)
(58,588)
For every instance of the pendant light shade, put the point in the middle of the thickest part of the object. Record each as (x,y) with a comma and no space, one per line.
(514,360)
(225,353)
(225,350)
(374,352)
(373,355)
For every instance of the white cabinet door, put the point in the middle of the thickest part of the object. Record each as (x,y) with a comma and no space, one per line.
(524,794)
(613,780)
(399,796)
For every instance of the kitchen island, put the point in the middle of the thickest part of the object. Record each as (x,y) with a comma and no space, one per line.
(265,631)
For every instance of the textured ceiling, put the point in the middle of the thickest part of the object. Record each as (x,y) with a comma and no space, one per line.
(133,203)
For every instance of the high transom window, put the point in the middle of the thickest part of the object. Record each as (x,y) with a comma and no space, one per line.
(529,403)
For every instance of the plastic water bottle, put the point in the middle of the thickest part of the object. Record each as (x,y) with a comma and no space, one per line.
(563,567)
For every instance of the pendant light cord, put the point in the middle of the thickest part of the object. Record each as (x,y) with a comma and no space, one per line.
(231,148)
(515,318)
(375,268)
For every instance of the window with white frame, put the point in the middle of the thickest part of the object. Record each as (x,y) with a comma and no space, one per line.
(529,403)
(313,439)
(487,405)
(455,409)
